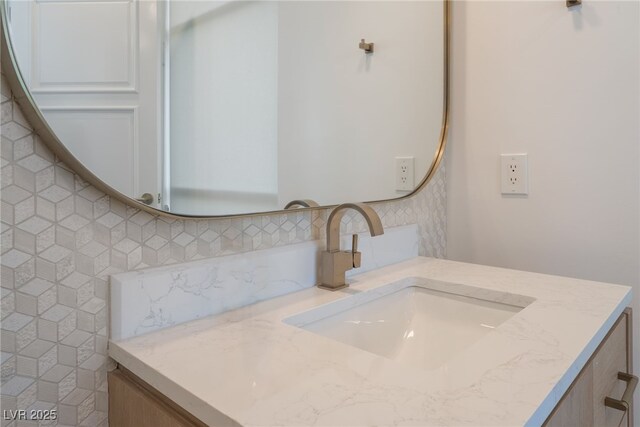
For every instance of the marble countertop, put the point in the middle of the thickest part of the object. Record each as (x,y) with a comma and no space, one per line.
(247,367)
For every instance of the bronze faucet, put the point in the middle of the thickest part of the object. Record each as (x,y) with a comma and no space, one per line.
(335,262)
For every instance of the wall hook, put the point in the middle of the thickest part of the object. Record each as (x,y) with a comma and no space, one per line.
(367,47)
(571,3)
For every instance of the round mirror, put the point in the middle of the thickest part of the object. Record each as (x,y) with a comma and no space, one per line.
(214,108)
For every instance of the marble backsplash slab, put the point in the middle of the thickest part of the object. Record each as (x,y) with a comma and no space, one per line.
(151,299)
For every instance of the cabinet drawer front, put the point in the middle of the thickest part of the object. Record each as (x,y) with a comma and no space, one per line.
(133,403)
(607,363)
(584,403)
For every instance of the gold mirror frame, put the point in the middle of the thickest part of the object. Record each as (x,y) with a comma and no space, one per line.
(31,111)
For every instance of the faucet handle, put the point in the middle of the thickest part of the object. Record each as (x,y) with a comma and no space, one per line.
(355,255)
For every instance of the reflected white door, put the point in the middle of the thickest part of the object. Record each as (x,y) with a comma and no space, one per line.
(94,69)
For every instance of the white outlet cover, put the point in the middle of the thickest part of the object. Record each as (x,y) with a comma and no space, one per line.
(405,174)
(514,177)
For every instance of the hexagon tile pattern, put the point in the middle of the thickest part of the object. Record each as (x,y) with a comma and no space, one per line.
(62,238)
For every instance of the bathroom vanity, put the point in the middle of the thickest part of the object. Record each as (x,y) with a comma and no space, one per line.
(522,349)
(251,341)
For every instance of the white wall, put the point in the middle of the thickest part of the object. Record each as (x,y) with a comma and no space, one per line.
(344,116)
(224,57)
(563,86)
(281,90)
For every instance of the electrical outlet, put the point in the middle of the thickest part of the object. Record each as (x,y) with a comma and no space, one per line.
(405,172)
(513,174)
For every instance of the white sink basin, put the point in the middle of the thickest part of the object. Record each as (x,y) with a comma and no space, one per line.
(412,325)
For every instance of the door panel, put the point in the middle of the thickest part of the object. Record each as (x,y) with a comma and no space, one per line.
(82,76)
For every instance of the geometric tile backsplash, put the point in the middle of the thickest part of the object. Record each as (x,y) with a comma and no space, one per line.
(62,238)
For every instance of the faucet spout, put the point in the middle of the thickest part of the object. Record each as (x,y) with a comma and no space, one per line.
(333,223)
(335,262)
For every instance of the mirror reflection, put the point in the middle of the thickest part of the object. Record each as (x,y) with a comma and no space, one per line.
(232,107)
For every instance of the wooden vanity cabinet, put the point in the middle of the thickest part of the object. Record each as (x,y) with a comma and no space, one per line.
(134,403)
(583,405)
